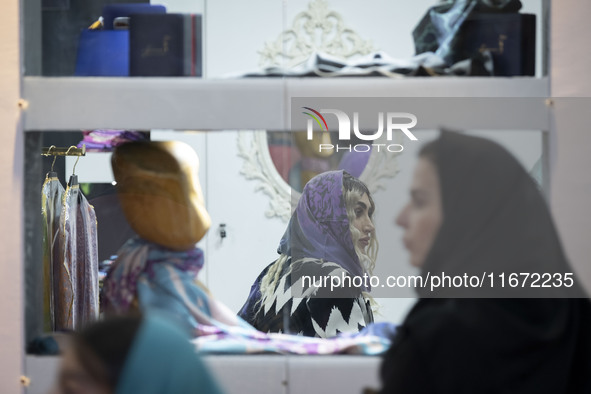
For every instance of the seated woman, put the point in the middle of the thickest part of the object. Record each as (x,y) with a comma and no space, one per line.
(161,197)
(474,210)
(330,235)
(128,355)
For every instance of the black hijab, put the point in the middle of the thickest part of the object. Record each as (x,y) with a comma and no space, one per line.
(494,220)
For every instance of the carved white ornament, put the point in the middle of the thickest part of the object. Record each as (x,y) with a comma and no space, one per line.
(258,165)
(318,29)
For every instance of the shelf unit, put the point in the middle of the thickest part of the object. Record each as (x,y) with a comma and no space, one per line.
(50,109)
(59,104)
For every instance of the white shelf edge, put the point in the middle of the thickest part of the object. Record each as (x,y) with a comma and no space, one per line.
(59,103)
(428,87)
(151,103)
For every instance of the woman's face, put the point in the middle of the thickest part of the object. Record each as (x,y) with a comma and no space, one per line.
(363,222)
(74,379)
(422,216)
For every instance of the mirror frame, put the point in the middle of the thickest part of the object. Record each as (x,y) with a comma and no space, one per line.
(258,165)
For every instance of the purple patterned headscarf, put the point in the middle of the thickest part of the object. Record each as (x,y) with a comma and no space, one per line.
(319,227)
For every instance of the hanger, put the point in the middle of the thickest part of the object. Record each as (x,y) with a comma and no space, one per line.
(62,151)
(78,158)
(71,151)
(73,178)
(54,156)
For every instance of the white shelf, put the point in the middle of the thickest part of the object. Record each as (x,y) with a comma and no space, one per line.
(151,103)
(263,103)
(261,373)
(486,87)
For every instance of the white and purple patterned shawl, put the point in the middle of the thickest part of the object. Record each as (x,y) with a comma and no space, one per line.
(319,228)
(373,340)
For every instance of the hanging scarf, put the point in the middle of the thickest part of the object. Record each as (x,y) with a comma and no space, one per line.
(52,193)
(76,276)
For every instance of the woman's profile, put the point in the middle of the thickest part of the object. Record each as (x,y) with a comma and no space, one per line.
(473,209)
(330,235)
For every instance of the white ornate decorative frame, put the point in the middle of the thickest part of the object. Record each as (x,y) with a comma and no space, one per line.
(319,29)
(258,165)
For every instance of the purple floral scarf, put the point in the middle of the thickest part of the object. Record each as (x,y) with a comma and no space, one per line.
(319,227)
(139,259)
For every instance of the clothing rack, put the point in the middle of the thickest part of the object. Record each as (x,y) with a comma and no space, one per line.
(63,151)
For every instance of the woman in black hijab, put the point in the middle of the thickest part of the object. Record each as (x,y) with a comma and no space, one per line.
(475,210)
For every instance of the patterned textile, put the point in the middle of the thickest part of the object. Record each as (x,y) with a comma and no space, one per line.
(317,313)
(52,193)
(76,278)
(106,140)
(373,341)
(379,64)
(162,279)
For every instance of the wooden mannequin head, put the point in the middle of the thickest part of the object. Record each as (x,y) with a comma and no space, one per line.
(159,190)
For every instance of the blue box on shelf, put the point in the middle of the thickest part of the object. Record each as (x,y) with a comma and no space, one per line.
(103,53)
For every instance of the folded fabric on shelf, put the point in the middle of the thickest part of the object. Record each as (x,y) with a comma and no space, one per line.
(371,341)
(440,30)
(380,64)
(106,140)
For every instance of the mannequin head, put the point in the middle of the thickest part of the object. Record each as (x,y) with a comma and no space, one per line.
(159,190)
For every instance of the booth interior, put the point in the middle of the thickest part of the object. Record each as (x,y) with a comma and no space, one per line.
(251,175)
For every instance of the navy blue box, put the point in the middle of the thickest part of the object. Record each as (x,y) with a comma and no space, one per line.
(165,45)
(509,37)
